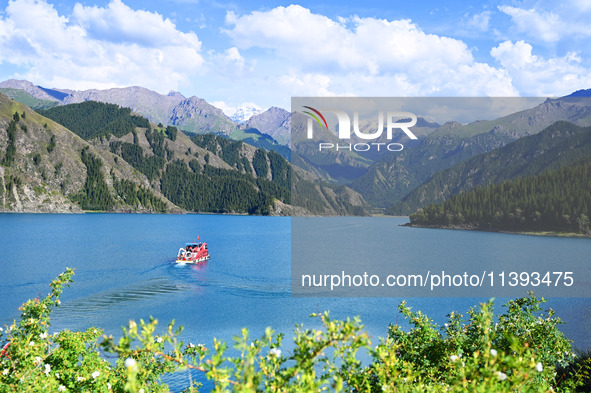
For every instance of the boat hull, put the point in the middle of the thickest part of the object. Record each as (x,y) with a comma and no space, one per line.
(182,261)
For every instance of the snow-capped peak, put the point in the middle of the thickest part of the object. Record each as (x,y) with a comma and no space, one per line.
(245,112)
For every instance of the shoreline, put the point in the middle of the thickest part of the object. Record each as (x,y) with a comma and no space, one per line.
(529,233)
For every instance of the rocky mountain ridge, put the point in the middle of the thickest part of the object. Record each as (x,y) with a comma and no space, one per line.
(191,114)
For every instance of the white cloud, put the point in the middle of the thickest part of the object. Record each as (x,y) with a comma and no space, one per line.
(537,76)
(287,51)
(479,22)
(301,84)
(229,63)
(97,47)
(546,25)
(118,23)
(550,25)
(228,109)
(364,56)
(319,42)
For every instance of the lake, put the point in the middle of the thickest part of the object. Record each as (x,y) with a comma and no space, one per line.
(125,270)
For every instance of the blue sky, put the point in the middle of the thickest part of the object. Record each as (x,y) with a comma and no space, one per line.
(264,52)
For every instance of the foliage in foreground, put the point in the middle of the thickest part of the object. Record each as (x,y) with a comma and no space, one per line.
(522,350)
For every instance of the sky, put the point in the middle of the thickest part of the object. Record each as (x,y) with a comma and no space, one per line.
(235,53)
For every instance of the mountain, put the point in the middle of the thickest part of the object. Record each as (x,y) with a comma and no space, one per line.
(559,145)
(191,114)
(191,177)
(307,193)
(391,178)
(275,122)
(245,112)
(555,200)
(109,159)
(44,167)
(25,98)
(255,138)
(154,106)
(581,93)
(33,90)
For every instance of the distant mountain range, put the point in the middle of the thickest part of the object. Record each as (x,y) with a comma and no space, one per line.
(191,114)
(446,159)
(389,179)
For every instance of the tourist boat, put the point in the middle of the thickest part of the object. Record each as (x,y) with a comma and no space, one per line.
(193,252)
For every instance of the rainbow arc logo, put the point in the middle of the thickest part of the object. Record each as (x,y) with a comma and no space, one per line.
(316,112)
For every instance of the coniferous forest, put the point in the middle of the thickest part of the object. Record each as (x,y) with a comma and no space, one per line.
(251,186)
(556,200)
(91,119)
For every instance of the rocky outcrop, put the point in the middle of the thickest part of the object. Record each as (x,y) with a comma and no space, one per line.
(275,122)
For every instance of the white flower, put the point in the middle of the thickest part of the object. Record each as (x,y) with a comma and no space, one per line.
(453,358)
(539,367)
(275,352)
(159,339)
(446,325)
(47,369)
(493,352)
(1,330)
(80,379)
(95,374)
(37,360)
(501,376)
(32,343)
(62,388)
(129,362)
(140,391)
(5,372)
(108,386)
(191,345)
(43,335)
(57,375)
(58,302)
